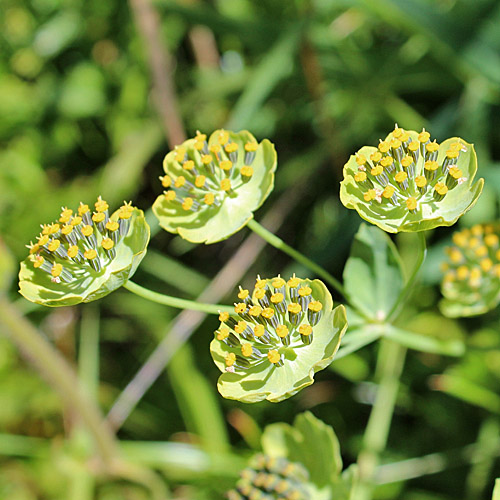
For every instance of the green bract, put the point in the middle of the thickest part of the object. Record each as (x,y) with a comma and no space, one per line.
(281,336)
(214,187)
(84,256)
(409,183)
(471,284)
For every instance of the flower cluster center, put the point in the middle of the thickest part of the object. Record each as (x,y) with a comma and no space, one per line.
(79,241)
(405,171)
(210,172)
(474,258)
(281,316)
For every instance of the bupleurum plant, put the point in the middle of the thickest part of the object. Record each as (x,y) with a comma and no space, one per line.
(271,478)
(410,182)
(471,281)
(84,255)
(212,187)
(281,334)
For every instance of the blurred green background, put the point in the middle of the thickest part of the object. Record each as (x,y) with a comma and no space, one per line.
(83,112)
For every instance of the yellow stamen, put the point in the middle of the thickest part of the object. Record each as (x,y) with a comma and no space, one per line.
(384,146)
(277,298)
(198,145)
(255,311)
(481,251)
(54,228)
(39,260)
(397,132)
(76,221)
(73,251)
(240,326)
(231,147)
(388,191)
(259,330)
(230,359)
(411,203)
(107,243)
(360,160)
(223,333)
(240,308)
(83,209)
(209,198)
(305,291)
(206,159)
(432,147)
(267,312)
(90,254)
(407,161)
(43,240)
(413,146)
(247,349)
(170,195)
(260,283)
(282,331)
(376,157)
(98,217)
(455,255)
(223,316)
(455,172)
(188,165)
(278,282)
(401,176)
(259,293)
(273,356)
(67,229)
(251,146)
(214,148)
(486,265)
(226,165)
(370,195)
(101,205)
(56,270)
(112,225)
(315,306)
(387,161)
(180,153)
(246,171)
(395,144)
(305,329)
(187,204)
(452,154)
(420,181)
(87,230)
(293,282)
(225,184)
(441,188)
(491,240)
(431,165)
(223,137)
(54,245)
(294,308)
(462,272)
(180,181)
(243,293)
(404,137)
(424,136)
(360,176)
(199,182)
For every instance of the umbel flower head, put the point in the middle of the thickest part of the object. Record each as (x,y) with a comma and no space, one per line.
(271,478)
(213,187)
(410,182)
(471,282)
(279,337)
(84,255)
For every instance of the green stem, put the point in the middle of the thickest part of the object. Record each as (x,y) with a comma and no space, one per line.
(56,370)
(302,259)
(403,296)
(390,363)
(175,301)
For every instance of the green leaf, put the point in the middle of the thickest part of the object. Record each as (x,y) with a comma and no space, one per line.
(373,276)
(310,442)
(453,347)
(228,211)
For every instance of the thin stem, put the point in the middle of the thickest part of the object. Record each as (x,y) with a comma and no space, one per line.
(302,259)
(390,363)
(53,366)
(175,301)
(403,296)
